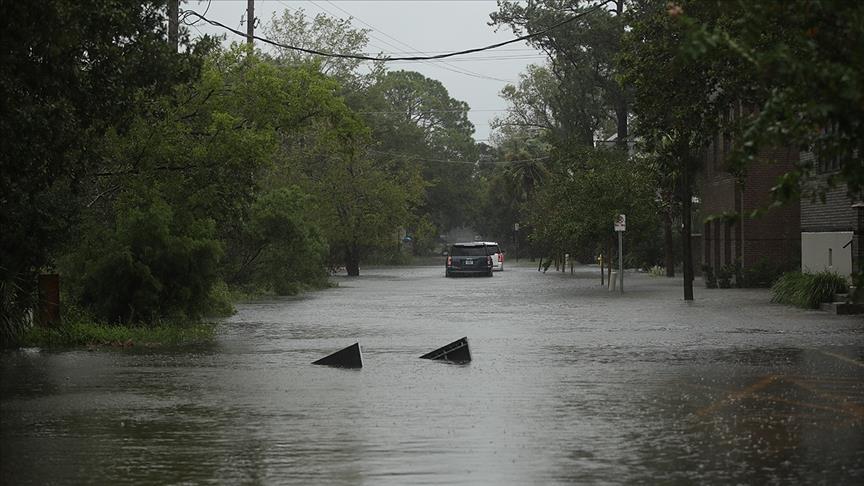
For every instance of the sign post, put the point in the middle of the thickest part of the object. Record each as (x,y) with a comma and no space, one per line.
(516,239)
(620,228)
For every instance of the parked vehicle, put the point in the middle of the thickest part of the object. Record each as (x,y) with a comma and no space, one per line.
(469,259)
(497,255)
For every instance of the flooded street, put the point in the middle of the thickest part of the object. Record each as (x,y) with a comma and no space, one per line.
(568,384)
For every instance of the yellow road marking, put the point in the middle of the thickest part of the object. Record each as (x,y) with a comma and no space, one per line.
(847,406)
(764,382)
(843,358)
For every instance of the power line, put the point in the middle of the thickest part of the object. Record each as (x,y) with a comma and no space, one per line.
(459,110)
(451,68)
(488,58)
(187,13)
(450,161)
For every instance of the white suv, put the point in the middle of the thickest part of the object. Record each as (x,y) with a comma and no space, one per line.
(497,255)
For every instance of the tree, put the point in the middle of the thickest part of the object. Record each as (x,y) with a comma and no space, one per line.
(415,122)
(676,102)
(588,188)
(69,72)
(583,60)
(148,263)
(322,33)
(285,249)
(803,61)
(360,204)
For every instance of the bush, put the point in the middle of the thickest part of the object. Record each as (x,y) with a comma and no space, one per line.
(761,275)
(657,271)
(709,277)
(724,276)
(807,290)
(146,266)
(279,251)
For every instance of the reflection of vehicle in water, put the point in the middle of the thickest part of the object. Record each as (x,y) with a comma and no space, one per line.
(497,255)
(469,259)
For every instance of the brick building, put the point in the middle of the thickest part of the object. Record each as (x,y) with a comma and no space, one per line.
(832,232)
(732,237)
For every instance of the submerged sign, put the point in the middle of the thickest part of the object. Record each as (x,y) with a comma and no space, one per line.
(349,357)
(456,352)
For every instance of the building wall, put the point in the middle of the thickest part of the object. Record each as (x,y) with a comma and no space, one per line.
(835,214)
(825,251)
(774,236)
(831,224)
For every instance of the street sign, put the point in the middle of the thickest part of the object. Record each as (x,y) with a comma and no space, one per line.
(621,223)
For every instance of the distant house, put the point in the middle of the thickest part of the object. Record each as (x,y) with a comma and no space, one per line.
(730,236)
(832,232)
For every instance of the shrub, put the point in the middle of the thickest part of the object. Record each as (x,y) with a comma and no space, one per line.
(657,271)
(807,290)
(149,264)
(708,276)
(763,274)
(279,251)
(724,276)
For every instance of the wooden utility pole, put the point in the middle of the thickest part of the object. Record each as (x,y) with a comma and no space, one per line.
(173,23)
(687,239)
(250,22)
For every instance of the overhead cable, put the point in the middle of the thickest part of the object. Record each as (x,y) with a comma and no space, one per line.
(444,64)
(407,58)
(450,161)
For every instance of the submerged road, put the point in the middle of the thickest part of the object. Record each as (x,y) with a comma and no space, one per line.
(568,384)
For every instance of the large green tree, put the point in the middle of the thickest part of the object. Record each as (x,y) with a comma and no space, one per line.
(801,63)
(69,72)
(323,33)
(415,122)
(590,97)
(676,102)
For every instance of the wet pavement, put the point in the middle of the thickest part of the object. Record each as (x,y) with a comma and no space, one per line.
(568,384)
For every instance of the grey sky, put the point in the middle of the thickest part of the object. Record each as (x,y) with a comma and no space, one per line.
(410,25)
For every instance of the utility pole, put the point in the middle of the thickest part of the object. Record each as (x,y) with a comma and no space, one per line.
(687,240)
(173,23)
(250,22)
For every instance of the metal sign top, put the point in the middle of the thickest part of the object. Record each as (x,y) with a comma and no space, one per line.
(621,223)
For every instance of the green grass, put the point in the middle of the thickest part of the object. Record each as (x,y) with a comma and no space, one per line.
(807,290)
(88,334)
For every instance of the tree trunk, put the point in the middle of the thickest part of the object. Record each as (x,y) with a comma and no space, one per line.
(621,108)
(621,116)
(670,245)
(611,260)
(602,263)
(685,230)
(352,261)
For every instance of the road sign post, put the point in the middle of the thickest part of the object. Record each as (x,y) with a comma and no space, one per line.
(620,228)
(516,239)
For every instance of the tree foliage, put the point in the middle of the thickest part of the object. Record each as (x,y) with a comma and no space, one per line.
(803,59)
(589,98)
(322,33)
(70,72)
(586,190)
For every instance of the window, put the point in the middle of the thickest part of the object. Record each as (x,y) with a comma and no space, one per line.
(468,250)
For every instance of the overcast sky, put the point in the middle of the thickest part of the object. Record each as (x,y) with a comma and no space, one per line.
(399,26)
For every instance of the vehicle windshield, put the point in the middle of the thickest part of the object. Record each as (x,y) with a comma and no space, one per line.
(457,250)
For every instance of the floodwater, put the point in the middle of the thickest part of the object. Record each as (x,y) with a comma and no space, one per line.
(568,384)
